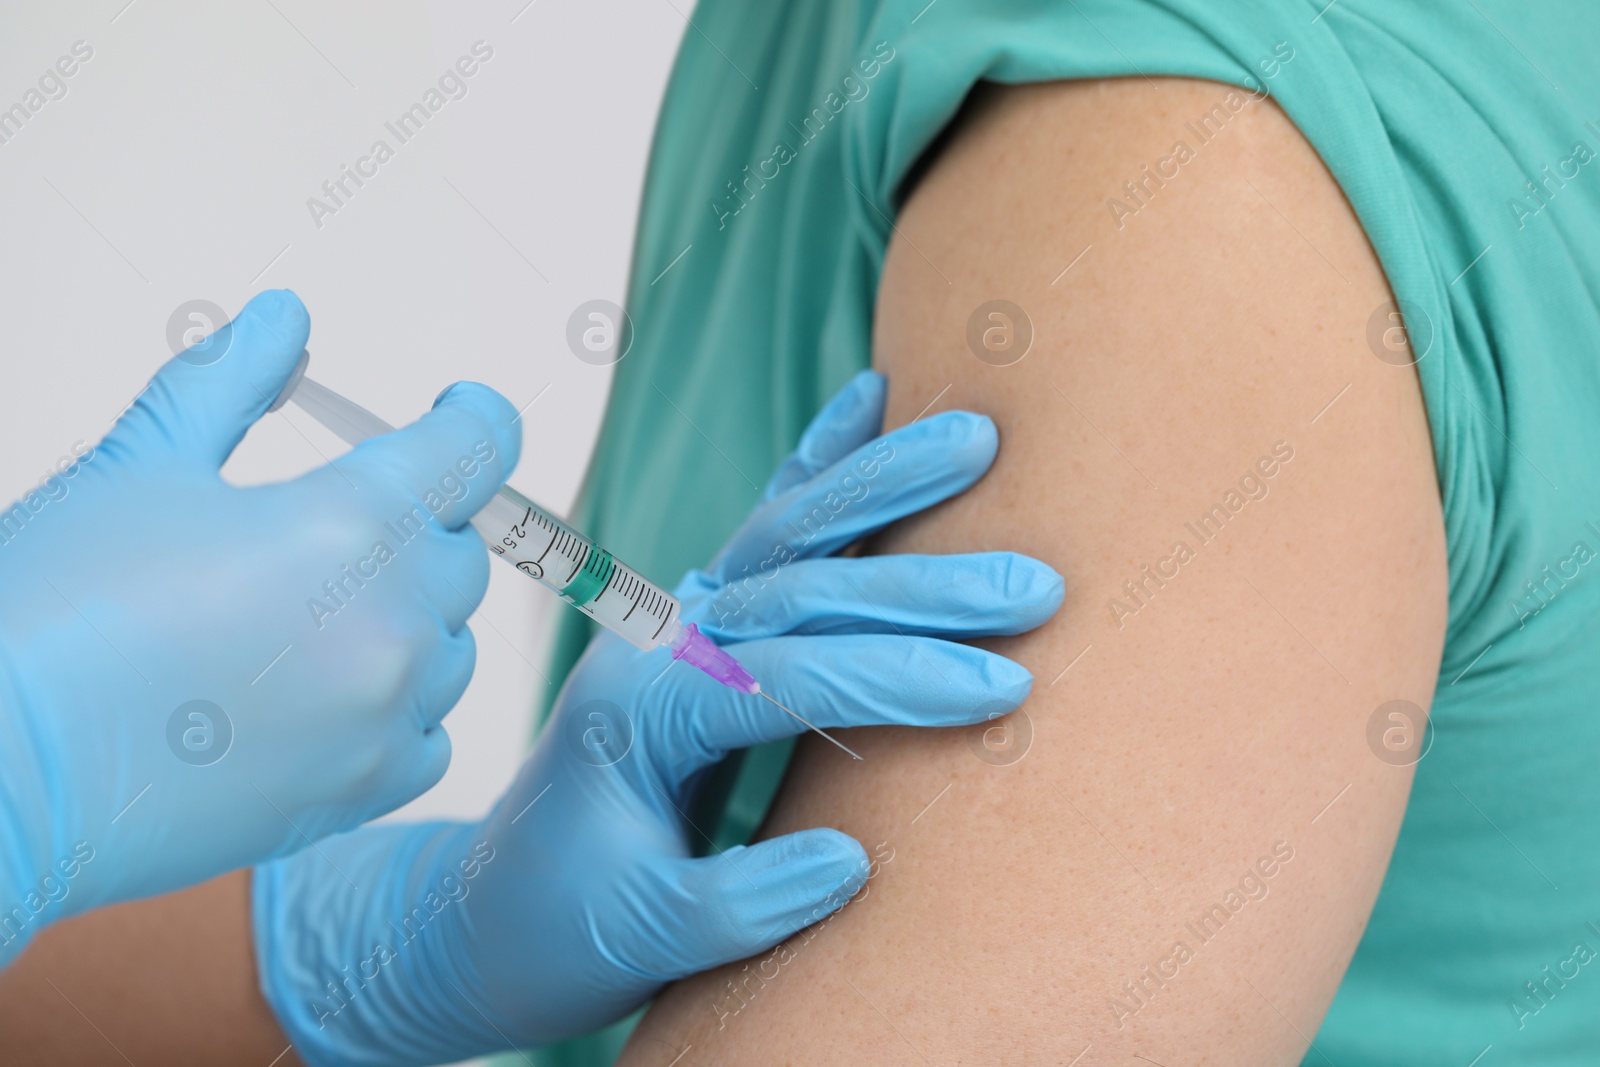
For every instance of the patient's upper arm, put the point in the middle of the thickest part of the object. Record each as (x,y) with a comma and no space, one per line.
(1241,497)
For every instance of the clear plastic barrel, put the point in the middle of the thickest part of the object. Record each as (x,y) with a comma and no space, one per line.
(578,570)
(537,543)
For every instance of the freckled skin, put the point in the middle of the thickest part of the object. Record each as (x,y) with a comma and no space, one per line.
(1184,744)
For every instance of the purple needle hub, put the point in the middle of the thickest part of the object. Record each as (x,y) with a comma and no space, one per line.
(698,650)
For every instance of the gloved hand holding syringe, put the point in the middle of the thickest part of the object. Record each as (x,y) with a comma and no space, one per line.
(556,556)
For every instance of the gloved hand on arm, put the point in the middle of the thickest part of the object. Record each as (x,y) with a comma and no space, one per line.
(579,897)
(194,676)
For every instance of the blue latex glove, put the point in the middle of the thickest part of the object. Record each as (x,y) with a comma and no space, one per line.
(139,581)
(578,897)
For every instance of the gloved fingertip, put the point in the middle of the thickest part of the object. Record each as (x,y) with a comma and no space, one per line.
(283,312)
(1009,680)
(829,864)
(1054,591)
(973,439)
(1032,581)
(868,379)
(859,389)
(479,398)
(861,397)
(848,862)
(834,846)
(867,389)
(494,409)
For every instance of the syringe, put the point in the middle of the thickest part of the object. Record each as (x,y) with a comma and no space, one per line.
(556,556)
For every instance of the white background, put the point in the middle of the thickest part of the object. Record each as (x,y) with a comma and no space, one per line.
(179,164)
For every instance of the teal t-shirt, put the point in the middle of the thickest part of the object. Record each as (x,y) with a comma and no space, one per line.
(1465,134)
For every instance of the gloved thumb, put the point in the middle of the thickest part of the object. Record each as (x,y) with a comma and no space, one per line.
(202,401)
(747,900)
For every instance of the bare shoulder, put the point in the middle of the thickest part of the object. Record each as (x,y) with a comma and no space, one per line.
(1163,299)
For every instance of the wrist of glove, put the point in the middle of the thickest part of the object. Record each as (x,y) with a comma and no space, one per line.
(362,939)
(37,864)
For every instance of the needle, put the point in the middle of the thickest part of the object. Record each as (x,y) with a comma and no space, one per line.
(786,711)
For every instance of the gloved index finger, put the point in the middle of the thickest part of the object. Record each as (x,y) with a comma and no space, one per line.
(898,474)
(958,596)
(452,460)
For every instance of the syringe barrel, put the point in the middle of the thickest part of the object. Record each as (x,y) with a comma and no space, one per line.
(523,534)
(576,569)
